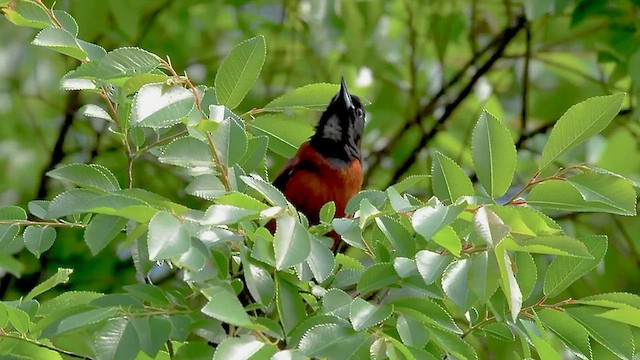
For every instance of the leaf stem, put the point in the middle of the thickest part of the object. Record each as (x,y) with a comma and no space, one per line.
(219,164)
(42,223)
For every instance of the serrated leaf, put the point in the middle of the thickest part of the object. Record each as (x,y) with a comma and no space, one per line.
(320,260)
(291,242)
(334,341)
(225,215)
(207,186)
(489,226)
(312,97)
(448,239)
(167,237)
(230,140)
(452,344)
(337,303)
(60,40)
(160,105)
(95,111)
(431,265)
(498,330)
(187,152)
(327,212)
(400,238)
(376,198)
(484,275)
(455,284)
(579,123)
(448,180)
(67,21)
(255,154)
(259,282)
(285,133)
(554,245)
(412,332)
(616,300)
(563,270)
(153,332)
(494,154)
(405,267)
(18,318)
(429,220)
(90,176)
(244,348)
(117,340)
(126,62)
(628,315)
(28,13)
(39,239)
(376,277)
(509,284)
(526,273)
(568,329)
(289,304)
(613,335)
(225,306)
(239,70)
(363,315)
(60,277)
(101,230)
(527,222)
(84,318)
(12,212)
(616,192)
(268,191)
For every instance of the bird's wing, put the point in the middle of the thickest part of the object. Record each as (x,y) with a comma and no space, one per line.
(288,169)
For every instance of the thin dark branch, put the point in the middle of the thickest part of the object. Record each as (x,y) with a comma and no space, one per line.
(427,109)
(506,38)
(57,154)
(525,82)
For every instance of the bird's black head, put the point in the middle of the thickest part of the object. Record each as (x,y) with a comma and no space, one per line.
(340,128)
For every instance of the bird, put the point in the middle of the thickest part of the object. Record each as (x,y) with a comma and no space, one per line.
(328,167)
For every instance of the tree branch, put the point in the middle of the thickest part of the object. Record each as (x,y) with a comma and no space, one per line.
(506,38)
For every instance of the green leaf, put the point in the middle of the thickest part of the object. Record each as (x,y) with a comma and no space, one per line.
(225,215)
(628,315)
(616,300)
(207,186)
(431,265)
(448,239)
(125,62)
(452,344)
(91,176)
(412,332)
(67,21)
(285,133)
(526,273)
(455,284)
(244,348)
(148,293)
(563,195)
(289,304)
(311,97)
(160,105)
(489,226)
(376,198)
(334,341)
(19,319)
(239,70)
(117,340)
(579,123)
(268,191)
(60,277)
(563,271)
(554,245)
(167,237)
(133,84)
(400,238)
(255,154)
(613,335)
(102,230)
(39,239)
(405,267)
(364,315)
(616,192)
(526,222)
(498,330)
(187,152)
(28,13)
(337,303)
(230,140)
(377,276)
(448,180)
(327,212)
(12,212)
(320,260)
(429,220)
(84,318)
(568,329)
(484,275)
(225,306)
(259,282)
(95,111)
(60,40)
(509,284)
(194,350)
(494,154)
(291,242)
(153,333)
(241,200)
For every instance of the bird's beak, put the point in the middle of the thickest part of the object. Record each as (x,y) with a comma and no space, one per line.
(344,95)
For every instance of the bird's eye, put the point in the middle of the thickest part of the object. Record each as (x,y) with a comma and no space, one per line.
(359,113)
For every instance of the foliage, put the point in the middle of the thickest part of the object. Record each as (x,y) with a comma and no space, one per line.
(438,263)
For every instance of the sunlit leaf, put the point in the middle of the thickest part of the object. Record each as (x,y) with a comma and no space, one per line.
(239,70)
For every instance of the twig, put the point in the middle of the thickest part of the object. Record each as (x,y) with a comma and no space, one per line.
(219,164)
(46,346)
(525,82)
(41,223)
